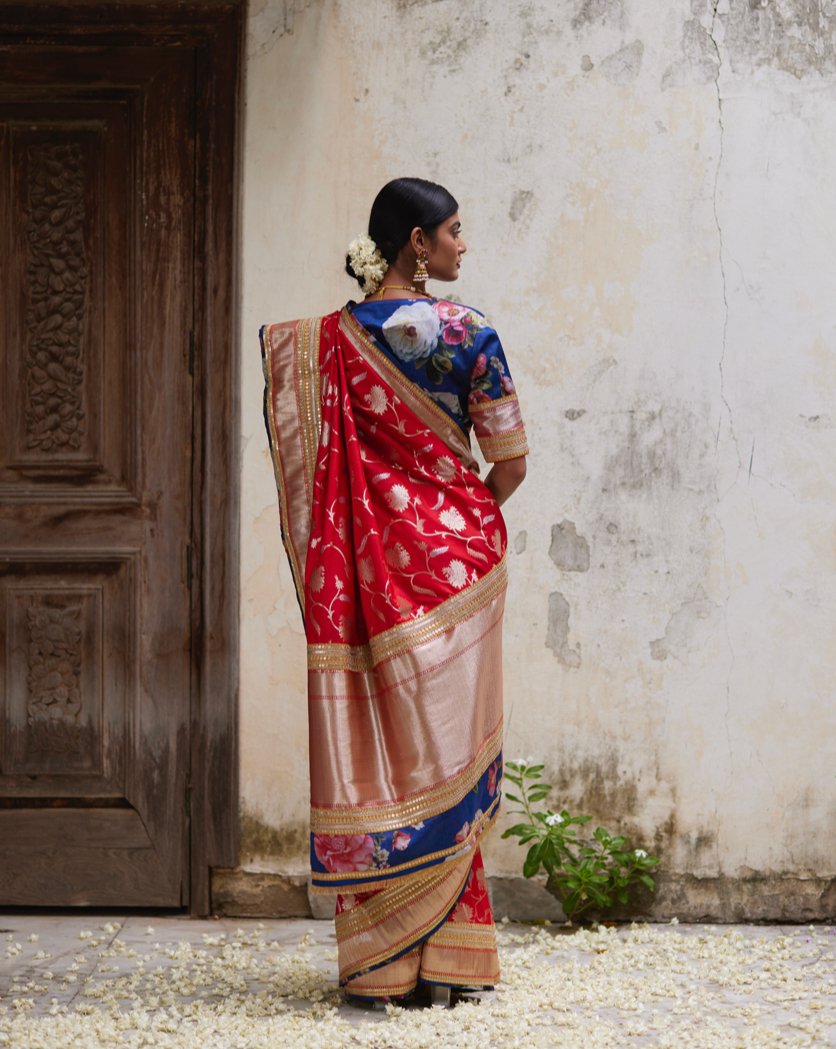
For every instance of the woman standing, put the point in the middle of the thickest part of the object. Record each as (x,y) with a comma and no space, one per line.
(397,550)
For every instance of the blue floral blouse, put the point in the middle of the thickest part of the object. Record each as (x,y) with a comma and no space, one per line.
(453,354)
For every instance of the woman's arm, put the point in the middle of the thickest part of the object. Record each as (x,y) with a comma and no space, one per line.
(505,477)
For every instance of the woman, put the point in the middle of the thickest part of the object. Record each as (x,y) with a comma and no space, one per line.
(397,550)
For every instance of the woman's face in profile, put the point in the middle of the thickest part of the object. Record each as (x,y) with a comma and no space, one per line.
(446,250)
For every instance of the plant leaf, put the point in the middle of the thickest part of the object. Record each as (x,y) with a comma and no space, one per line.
(532,861)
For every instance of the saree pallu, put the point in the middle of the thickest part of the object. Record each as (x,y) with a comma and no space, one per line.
(397,551)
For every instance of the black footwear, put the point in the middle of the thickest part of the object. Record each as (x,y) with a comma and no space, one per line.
(359,1002)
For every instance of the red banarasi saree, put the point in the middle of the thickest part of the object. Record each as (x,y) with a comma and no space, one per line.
(397,551)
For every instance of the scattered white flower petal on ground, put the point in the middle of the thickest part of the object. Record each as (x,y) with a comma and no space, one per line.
(652,987)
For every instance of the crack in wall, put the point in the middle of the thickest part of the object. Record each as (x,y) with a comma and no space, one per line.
(721,255)
(721,246)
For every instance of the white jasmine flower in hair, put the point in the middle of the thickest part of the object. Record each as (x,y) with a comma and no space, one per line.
(367,262)
(553,819)
(412,331)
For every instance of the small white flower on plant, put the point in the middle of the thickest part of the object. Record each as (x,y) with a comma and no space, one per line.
(553,819)
(412,331)
(640,853)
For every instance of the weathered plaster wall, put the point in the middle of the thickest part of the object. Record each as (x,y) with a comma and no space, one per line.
(647,192)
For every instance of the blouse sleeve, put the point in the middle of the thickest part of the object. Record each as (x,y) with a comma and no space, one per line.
(492,402)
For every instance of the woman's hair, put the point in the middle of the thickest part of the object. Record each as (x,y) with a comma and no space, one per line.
(399,207)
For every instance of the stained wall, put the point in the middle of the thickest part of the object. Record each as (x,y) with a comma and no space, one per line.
(647,193)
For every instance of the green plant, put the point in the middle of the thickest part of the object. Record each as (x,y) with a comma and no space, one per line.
(587,872)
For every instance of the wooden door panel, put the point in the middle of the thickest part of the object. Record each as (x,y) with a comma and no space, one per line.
(71,693)
(66,265)
(96,231)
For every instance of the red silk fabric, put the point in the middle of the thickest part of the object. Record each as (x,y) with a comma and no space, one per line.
(399,523)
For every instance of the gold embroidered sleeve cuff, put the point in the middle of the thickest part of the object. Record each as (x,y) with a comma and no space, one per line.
(499,428)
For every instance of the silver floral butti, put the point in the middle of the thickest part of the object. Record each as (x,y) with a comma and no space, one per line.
(367,262)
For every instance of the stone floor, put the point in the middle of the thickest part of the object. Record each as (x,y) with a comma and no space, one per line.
(126,980)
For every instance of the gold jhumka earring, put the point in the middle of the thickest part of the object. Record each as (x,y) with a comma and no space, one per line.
(421,272)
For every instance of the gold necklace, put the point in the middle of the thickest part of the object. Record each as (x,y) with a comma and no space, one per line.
(401,287)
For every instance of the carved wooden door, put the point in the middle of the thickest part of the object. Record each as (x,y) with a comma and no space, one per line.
(96,284)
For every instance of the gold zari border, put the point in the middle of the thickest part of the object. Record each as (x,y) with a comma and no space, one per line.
(403,637)
(498,447)
(290,357)
(366,819)
(465,935)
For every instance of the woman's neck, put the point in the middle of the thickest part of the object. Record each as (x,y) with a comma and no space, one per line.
(398,284)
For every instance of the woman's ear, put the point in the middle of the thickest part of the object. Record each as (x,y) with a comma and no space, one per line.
(418,240)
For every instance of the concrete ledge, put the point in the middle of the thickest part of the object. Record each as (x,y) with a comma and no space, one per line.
(754,898)
(248,894)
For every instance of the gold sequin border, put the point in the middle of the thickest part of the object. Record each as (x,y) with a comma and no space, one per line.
(465,935)
(308,393)
(368,819)
(496,447)
(404,637)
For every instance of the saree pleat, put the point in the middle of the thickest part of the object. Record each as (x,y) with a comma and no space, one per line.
(397,553)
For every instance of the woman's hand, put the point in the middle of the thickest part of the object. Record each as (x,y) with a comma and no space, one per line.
(505,478)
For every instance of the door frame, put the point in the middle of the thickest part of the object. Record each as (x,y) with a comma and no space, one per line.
(214,28)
